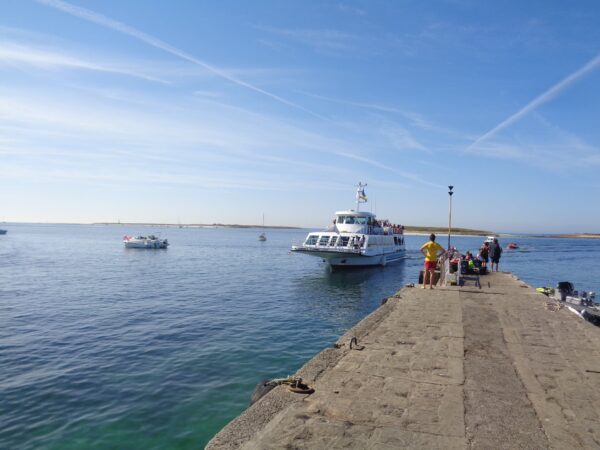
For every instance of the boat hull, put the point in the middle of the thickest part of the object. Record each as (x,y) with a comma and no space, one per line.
(343,259)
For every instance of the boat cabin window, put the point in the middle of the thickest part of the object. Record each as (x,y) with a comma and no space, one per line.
(351,220)
(324,240)
(312,239)
(344,240)
(333,241)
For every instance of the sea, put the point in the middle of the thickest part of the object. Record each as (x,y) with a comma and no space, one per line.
(102,347)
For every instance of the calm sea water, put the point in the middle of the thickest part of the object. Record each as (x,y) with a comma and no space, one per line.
(103,347)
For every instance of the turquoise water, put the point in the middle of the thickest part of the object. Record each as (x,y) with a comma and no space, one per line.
(103,347)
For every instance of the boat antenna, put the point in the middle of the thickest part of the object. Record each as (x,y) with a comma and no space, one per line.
(360,195)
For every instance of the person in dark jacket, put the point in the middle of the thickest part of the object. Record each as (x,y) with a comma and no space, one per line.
(495,253)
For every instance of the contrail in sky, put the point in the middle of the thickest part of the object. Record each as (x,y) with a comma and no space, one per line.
(120,27)
(541,99)
(104,21)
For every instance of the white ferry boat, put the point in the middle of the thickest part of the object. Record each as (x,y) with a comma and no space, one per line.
(356,239)
(145,242)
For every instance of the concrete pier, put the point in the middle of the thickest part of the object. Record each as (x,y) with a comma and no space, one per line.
(449,368)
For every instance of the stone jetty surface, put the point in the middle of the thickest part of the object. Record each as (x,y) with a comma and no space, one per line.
(449,368)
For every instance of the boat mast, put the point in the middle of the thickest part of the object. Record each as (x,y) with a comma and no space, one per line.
(360,195)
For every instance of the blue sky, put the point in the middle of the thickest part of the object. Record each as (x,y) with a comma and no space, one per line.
(201,112)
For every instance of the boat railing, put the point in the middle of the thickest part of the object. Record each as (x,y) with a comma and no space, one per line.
(341,244)
(317,248)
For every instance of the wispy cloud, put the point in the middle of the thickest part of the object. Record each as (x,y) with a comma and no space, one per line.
(373,106)
(53,131)
(538,101)
(350,9)
(409,176)
(555,150)
(209,94)
(277,46)
(328,40)
(414,119)
(120,27)
(505,150)
(11,53)
(402,139)
(26,34)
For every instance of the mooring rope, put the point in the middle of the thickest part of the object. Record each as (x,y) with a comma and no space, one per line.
(554,306)
(295,384)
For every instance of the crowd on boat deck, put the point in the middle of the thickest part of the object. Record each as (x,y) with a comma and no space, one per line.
(374,226)
(357,241)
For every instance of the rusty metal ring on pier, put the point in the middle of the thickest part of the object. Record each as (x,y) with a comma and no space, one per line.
(304,389)
(354,341)
(298,387)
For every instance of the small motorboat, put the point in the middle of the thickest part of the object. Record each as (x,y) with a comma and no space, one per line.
(150,241)
(3,231)
(581,303)
(565,292)
(512,246)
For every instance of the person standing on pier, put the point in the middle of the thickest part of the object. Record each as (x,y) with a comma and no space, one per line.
(495,253)
(431,251)
(484,253)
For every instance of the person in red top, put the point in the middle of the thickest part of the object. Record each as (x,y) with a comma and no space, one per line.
(431,251)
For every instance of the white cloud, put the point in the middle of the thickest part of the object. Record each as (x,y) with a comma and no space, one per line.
(41,126)
(415,120)
(501,150)
(11,53)
(402,139)
(349,9)
(329,40)
(209,94)
(107,22)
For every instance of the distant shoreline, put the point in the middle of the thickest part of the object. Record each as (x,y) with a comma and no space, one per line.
(196,225)
(571,236)
(441,231)
(408,229)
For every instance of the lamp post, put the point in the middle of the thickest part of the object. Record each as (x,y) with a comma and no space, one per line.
(450,213)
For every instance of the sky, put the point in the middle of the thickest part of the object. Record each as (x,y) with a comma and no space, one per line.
(220,112)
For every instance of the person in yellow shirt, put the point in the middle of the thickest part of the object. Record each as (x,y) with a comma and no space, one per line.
(431,251)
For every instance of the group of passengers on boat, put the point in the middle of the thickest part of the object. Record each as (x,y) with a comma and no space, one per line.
(373,226)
